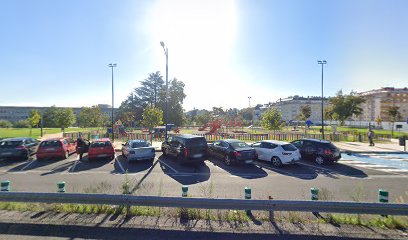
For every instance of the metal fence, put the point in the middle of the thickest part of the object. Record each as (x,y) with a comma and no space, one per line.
(208,203)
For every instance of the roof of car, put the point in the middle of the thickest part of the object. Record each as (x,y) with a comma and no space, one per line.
(16,139)
(138,140)
(316,140)
(188,136)
(53,139)
(275,142)
(231,140)
(102,140)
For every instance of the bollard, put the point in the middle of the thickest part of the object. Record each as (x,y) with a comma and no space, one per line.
(5,186)
(271,213)
(61,187)
(315,193)
(248,192)
(184,190)
(382,196)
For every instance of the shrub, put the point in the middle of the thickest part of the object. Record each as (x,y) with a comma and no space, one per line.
(5,124)
(22,124)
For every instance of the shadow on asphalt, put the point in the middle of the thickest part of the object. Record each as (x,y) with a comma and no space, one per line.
(333,169)
(295,170)
(94,232)
(85,164)
(248,171)
(185,173)
(11,162)
(134,166)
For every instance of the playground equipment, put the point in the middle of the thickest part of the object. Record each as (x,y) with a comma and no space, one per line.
(219,123)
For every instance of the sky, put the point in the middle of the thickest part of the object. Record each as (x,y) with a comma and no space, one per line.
(57,52)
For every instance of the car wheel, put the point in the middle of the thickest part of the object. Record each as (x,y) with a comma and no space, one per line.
(227,160)
(319,160)
(164,151)
(123,154)
(66,156)
(276,162)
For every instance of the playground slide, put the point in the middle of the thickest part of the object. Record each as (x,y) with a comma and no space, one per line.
(213,130)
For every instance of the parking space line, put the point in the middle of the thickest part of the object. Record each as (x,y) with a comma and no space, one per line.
(120,165)
(274,169)
(73,167)
(28,164)
(322,168)
(165,164)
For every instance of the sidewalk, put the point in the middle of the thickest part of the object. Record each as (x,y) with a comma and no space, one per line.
(362,147)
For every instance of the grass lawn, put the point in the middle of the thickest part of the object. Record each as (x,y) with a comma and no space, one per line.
(36,132)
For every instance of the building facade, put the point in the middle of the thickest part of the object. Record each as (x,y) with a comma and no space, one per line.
(378,101)
(290,107)
(15,114)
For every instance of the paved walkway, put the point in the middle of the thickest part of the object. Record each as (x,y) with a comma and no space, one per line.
(362,147)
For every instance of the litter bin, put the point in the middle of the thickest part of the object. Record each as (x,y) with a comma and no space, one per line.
(360,138)
(402,142)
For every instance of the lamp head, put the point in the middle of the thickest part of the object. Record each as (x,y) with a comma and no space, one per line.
(162,43)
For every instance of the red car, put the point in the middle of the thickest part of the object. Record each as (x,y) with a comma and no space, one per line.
(101,148)
(56,147)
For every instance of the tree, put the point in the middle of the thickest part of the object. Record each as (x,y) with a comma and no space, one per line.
(65,117)
(152,117)
(90,117)
(50,117)
(22,124)
(150,89)
(305,112)
(247,114)
(345,106)
(378,120)
(394,115)
(204,118)
(5,124)
(33,119)
(272,119)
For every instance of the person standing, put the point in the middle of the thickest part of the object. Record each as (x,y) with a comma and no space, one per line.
(80,146)
(371,137)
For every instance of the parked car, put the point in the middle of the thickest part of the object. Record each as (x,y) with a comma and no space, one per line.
(101,148)
(21,148)
(321,151)
(186,148)
(138,150)
(232,151)
(276,152)
(56,147)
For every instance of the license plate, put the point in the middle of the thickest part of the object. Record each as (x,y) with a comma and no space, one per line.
(6,154)
(197,155)
(50,149)
(248,161)
(102,155)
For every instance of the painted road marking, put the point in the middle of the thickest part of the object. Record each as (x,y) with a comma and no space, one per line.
(71,169)
(165,164)
(28,164)
(275,169)
(120,165)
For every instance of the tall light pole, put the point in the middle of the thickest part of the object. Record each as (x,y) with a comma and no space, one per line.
(166,52)
(112,65)
(322,62)
(249,99)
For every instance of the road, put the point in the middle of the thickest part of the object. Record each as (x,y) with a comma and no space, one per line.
(346,180)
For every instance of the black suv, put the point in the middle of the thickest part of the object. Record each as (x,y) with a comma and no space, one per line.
(186,148)
(18,147)
(320,151)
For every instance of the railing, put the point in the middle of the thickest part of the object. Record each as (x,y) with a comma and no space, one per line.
(207,203)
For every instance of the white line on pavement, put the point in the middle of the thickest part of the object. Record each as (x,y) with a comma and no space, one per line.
(318,167)
(120,165)
(73,167)
(274,169)
(28,164)
(165,164)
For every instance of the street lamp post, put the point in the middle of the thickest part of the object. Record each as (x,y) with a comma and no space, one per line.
(249,99)
(322,62)
(112,65)
(166,52)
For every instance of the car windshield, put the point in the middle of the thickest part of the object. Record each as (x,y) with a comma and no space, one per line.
(100,144)
(238,145)
(289,147)
(10,143)
(196,142)
(140,144)
(54,143)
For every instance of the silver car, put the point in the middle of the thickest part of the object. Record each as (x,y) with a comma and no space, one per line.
(135,150)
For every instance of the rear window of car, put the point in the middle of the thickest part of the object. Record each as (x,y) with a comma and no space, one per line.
(54,143)
(100,144)
(330,145)
(238,145)
(289,147)
(192,142)
(10,143)
(140,144)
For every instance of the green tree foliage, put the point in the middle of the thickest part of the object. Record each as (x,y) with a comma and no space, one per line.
(50,117)
(345,106)
(394,115)
(152,117)
(152,92)
(5,124)
(305,112)
(65,117)
(34,118)
(22,124)
(247,113)
(272,119)
(204,118)
(90,117)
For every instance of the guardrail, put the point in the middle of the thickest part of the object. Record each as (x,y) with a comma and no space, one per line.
(209,203)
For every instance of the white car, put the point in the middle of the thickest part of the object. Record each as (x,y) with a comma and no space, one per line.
(276,152)
(138,150)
